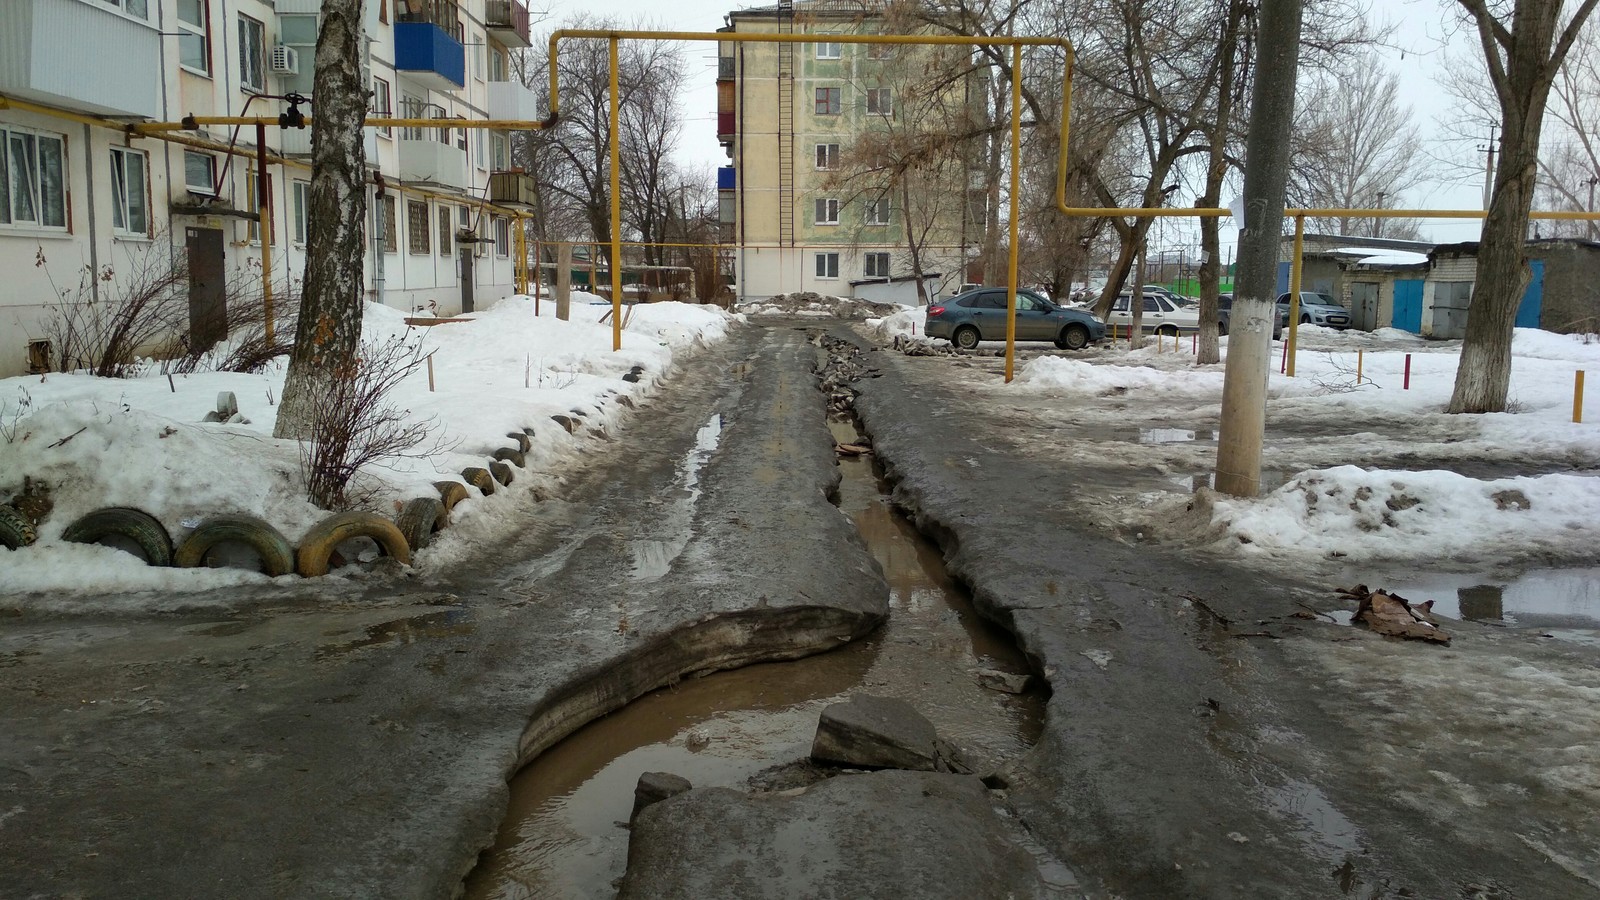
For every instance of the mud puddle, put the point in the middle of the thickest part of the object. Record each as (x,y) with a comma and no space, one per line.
(652,558)
(1538,597)
(564,837)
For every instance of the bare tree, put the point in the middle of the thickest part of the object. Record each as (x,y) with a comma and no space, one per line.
(1523,47)
(329,325)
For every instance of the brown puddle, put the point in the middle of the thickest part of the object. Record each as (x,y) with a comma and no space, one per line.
(564,834)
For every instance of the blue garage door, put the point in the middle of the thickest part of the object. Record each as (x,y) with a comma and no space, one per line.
(1533,298)
(1408,305)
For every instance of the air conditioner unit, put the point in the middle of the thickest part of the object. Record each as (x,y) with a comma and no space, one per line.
(284,60)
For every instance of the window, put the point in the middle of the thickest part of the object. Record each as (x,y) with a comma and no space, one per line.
(252,59)
(447,232)
(500,152)
(499,65)
(878,211)
(880,101)
(391,240)
(382,104)
(827,265)
(417,229)
(194,35)
(139,9)
(827,156)
(301,201)
(130,205)
(200,173)
(827,211)
(298,31)
(827,50)
(877,265)
(880,51)
(33,186)
(502,236)
(828,101)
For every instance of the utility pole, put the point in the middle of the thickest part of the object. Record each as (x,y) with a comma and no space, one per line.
(1590,224)
(1244,387)
(1377,221)
(1488,173)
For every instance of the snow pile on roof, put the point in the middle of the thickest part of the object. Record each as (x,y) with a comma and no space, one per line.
(1394,258)
(1378,515)
(140,442)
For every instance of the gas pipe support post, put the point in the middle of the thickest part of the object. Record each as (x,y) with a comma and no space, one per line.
(1016,191)
(616,208)
(1294,290)
(264,208)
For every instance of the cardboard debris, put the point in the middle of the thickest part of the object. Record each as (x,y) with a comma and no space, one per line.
(850,449)
(1395,616)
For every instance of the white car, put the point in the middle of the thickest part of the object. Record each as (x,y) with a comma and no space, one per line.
(1161,315)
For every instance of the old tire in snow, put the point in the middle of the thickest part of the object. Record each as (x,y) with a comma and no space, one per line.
(524,441)
(515,457)
(479,477)
(15,529)
(502,472)
(317,547)
(419,519)
(125,525)
(277,557)
(450,493)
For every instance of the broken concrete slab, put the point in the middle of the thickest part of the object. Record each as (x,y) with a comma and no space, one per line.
(654,787)
(884,835)
(877,733)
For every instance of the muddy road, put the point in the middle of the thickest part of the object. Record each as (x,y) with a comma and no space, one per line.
(1201,737)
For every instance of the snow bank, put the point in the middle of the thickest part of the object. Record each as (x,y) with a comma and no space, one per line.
(906,323)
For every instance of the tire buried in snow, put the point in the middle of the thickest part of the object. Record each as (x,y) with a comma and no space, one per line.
(132,525)
(317,547)
(277,556)
(419,519)
(524,441)
(15,529)
(502,472)
(479,477)
(515,457)
(451,493)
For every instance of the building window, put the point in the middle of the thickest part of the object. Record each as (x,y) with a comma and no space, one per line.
(130,206)
(33,186)
(194,35)
(828,101)
(391,240)
(880,101)
(139,9)
(301,191)
(878,211)
(827,211)
(382,104)
(447,232)
(200,173)
(827,265)
(877,265)
(252,58)
(501,152)
(828,50)
(827,156)
(417,229)
(502,236)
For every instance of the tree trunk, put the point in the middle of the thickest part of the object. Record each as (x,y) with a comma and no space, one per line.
(1209,351)
(912,244)
(328,333)
(1136,304)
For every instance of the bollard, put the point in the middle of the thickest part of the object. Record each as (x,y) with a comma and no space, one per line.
(1195,344)
(1360,355)
(1284,365)
(1577,397)
(430,373)
(1406,385)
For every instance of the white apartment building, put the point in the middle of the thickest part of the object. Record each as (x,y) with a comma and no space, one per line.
(83,201)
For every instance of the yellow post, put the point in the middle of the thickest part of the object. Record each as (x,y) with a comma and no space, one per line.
(264,206)
(1294,290)
(1016,194)
(1577,397)
(1360,358)
(521,269)
(616,209)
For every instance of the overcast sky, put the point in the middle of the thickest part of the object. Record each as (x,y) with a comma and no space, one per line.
(1422,31)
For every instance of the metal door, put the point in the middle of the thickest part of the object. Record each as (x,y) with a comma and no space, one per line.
(1364,304)
(1408,305)
(208,304)
(1528,314)
(467,278)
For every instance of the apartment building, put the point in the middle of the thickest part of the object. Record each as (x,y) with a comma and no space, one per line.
(789,116)
(84,202)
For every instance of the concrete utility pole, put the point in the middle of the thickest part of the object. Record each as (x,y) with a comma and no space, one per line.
(564,280)
(1244,389)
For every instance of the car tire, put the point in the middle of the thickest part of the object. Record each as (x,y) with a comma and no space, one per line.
(137,526)
(479,477)
(451,493)
(277,557)
(1222,328)
(1305,319)
(419,519)
(966,337)
(1073,337)
(317,547)
(15,529)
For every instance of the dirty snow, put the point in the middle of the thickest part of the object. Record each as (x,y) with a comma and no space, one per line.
(140,442)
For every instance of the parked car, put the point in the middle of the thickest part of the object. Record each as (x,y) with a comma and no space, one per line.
(1161,315)
(1225,315)
(1317,309)
(980,315)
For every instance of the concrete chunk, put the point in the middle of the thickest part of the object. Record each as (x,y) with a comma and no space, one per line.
(877,733)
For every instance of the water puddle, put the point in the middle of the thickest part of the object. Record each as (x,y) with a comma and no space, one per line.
(652,558)
(1174,436)
(564,836)
(454,621)
(1271,480)
(1555,597)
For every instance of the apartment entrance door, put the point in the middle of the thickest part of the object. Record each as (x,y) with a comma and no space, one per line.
(208,304)
(467,254)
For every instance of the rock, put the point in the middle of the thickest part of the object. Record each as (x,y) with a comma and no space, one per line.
(653,787)
(227,405)
(884,835)
(631,377)
(875,732)
(1005,682)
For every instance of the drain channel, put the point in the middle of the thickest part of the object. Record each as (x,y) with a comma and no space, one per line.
(564,835)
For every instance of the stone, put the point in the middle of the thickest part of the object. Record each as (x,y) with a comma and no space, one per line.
(1005,682)
(654,787)
(875,732)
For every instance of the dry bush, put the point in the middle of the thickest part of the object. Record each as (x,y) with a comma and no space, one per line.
(114,314)
(354,426)
(247,348)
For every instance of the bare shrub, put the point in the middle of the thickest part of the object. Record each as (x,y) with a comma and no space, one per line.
(247,348)
(354,426)
(114,314)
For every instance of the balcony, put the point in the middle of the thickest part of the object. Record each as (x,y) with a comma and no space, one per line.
(428,55)
(724,68)
(513,189)
(727,178)
(509,100)
(47,50)
(724,126)
(507,22)
(426,159)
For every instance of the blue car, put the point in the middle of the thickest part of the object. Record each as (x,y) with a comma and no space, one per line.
(980,315)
